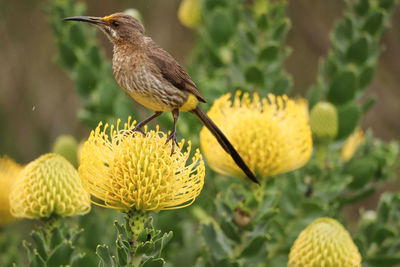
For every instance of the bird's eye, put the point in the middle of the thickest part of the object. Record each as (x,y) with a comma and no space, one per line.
(115,23)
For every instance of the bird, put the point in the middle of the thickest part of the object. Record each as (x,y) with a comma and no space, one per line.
(154,79)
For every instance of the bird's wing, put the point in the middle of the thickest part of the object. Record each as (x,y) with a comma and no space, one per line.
(171,70)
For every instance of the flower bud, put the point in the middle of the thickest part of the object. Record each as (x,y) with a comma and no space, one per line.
(48,186)
(189,13)
(324,120)
(325,242)
(67,146)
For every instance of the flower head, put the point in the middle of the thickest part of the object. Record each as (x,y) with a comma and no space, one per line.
(325,242)
(271,134)
(189,13)
(9,170)
(47,186)
(125,170)
(351,145)
(324,120)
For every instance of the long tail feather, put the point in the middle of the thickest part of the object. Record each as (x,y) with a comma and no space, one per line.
(224,142)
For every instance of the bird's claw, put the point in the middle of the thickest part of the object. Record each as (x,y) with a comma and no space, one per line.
(137,129)
(172,137)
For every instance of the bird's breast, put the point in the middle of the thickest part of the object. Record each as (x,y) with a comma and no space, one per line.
(145,85)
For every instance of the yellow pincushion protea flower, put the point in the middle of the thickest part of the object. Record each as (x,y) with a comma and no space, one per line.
(48,186)
(125,170)
(9,171)
(325,242)
(351,145)
(271,134)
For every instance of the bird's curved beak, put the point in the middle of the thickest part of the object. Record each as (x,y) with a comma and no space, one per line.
(93,20)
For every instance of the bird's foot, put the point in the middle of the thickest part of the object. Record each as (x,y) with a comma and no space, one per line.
(138,129)
(172,137)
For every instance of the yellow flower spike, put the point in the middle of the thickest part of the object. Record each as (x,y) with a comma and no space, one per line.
(324,120)
(271,134)
(48,186)
(9,171)
(352,143)
(125,171)
(189,13)
(325,242)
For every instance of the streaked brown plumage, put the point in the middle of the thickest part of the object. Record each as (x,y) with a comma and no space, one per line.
(153,78)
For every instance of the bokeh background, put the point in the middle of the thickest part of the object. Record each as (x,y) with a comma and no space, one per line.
(38,101)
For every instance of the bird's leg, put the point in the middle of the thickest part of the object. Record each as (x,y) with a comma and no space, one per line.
(138,127)
(175,115)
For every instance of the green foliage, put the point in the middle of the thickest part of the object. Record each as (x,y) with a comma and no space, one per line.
(144,250)
(378,233)
(350,65)
(241,47)
(81,56)
(53,245)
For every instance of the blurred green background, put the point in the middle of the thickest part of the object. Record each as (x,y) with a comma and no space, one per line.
(38,101)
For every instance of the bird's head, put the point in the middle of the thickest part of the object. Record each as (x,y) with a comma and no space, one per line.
(118,27)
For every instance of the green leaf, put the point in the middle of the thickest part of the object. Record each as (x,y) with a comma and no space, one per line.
(86,79)
(221,26)
(122,255)
(254,246)
(61,255)
(349,117)
(382,233)
(254,75)
(152,262)
(266,215)
(362,7)
(162,242)
(230,230)
(269,53)
(76,35)
(214,245)
(374,22)
(281,86)
(94,57)
(40,243)
(384,260)
(56,237)
(123,107)
(342,88)
(362,171)
(104,255)
(358,51)
(34,258)
(368,104)
(387,4)
(343,32)
(280,32)
(366,76)
(145,248)
(330,67)
(227,262)
(67,55)
(262,22)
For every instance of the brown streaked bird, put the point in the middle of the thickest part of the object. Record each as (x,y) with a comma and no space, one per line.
(154,79)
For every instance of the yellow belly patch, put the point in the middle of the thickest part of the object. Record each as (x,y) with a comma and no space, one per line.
(190,104)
